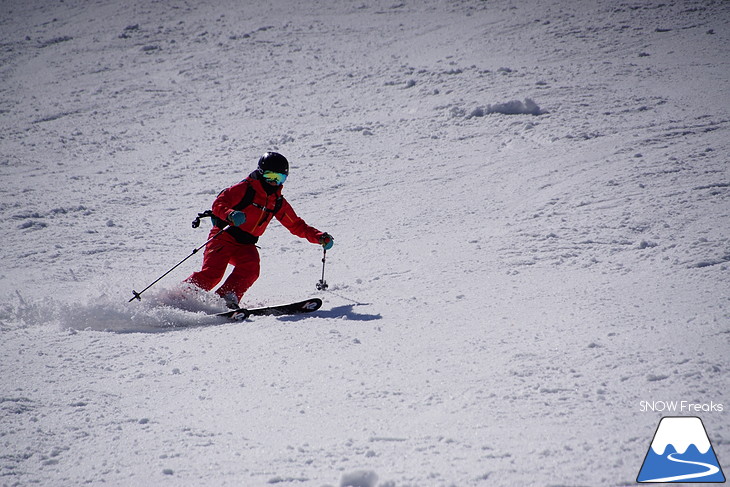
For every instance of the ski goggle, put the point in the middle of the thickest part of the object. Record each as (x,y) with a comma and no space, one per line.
(274,177)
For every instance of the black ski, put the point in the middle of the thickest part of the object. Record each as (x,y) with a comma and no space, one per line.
(306,306)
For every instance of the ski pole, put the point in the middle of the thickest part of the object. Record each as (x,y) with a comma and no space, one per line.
(322,284)
(138,295)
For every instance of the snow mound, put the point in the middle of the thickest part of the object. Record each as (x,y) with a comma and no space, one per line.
(360,478)
(515,107)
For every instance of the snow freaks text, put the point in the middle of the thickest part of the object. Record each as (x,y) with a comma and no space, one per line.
(680,407)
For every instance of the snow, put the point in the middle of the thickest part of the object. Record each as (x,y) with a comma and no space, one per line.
(530,209)
(514,107)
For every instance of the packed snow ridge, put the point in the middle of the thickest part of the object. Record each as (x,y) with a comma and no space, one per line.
(514,107)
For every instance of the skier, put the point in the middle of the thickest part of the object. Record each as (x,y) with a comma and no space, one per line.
(248,207)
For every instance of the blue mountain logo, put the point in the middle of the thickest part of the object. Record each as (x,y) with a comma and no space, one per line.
(681,452)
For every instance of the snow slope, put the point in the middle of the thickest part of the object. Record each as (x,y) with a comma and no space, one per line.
(530,207)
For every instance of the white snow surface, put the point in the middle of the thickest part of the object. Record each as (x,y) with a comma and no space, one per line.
(530,209)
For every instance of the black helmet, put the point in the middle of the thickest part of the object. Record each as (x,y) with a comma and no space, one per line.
(273,161)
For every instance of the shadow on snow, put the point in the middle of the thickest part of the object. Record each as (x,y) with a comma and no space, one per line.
(342,312)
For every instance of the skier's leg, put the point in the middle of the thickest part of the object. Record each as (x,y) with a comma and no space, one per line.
(215,262)
(245,271)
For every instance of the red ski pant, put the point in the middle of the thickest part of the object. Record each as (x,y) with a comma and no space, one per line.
(218,254)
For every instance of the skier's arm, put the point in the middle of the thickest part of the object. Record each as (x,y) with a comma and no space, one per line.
(296,225)
(229,197)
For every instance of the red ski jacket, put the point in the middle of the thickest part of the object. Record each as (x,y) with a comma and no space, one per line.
(250,197)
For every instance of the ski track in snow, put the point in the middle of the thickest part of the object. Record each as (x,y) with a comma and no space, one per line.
(530,207)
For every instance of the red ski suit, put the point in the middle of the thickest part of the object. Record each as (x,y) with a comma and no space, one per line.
(236,245)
